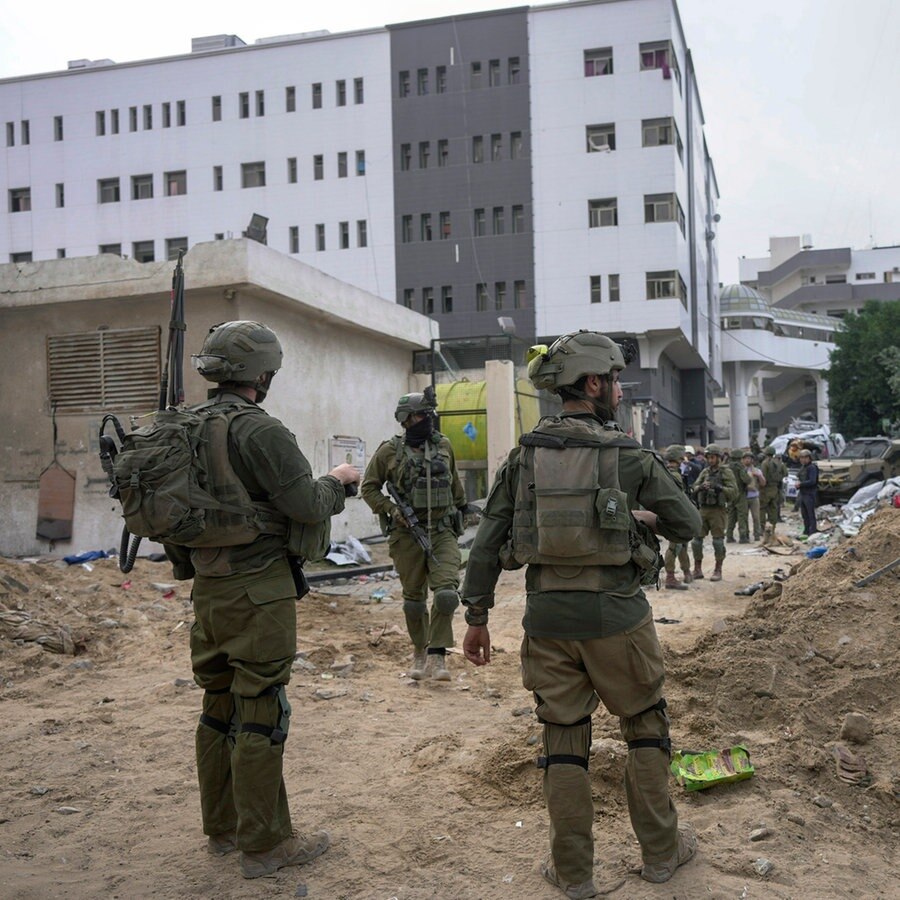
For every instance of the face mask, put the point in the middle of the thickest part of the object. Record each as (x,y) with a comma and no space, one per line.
(418,433)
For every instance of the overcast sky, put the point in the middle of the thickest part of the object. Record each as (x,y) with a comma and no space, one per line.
(801,97)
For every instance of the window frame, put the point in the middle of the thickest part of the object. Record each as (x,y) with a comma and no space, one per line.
(599,209)
(138,185)
(253,172)
(598,55)
(176,179)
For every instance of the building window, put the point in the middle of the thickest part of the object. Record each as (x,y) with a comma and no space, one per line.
(516,148)
(596,289)
(244,105)
(613,288)
(253,174)
(424,153)
(601,138)
(666,285)
(663,208)
(115,249)
(180,113)
(60,195)
(835,279)
(598,62)
(114,121)
(317,95)
(344,235)
(660,55)
(409,297)
(320,237)
(514,70)
(359,95)
(498,220)
(143,251)
(174,246)
(425,227)
(217,178)
(405,157)
(22,257)
(422,82)
(25,129)
(260,103)
(142,187)
(865,276)
(176,183)
(166,115)
(499,294)
(403,80)
(362,233)
(217,109)
(100,123)
(342,164)
(481,297)
(477,149)
(518,295)
(603,213)
(443,153)
(148,117)
(108,190)
(496,147)
(658,132)
(10,134)
(440,80)
(219,236)
(428,301)
(340,92)
(57,128)
(61,253)
(103,370)
(20,200)
(132,118)
(475,75)
(518,219)
(494,73)
(294,238)
(444,224)
(292,170)
(290,105)
(446,298)
(318,167)
(478,222)
(406,224)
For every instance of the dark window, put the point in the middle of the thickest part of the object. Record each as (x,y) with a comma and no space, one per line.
(424,153)
(663,208)
(481,297)
(148,117)
(446,298)
(406,224)
(601,138)
(362,233)
(478,222)
(499,294)
(292,170)
(660,55)
(174,246)
(498,220)
(61,253)
(167,115)
(440,80)
(290,105)
(253,174)
(518,295)
(180,113)
(613,288)
(142,187)
(23,257)
(10,134)
(114,121)
(318,167)
(443,152)
(344,235)
(425,227)
(514,70)
(444,224)
(317,95)
(494,72)
(100,123)
(340,92)
(409,297)
(60,195)
(244,105)
(603,213)
(596,289)
(217,178)
(57,128)
(217,109)
(403,79)
(342,164)
(496,147)
(294,237)
(260,103)
(518,219)
(320,237)
(475,75)
(143,251)
(115,249)
(176,183)
(598,62)
(405,157)
(428,301)
(360,162)
(359,95)
(477,149)
(20,199)
(422,82)
(108,190)
(660,132)
(516,147)
(132,118)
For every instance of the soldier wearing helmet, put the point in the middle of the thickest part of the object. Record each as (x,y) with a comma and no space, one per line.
(774,471)
(420,466)
(244,639)
(738,509)
(576,502)
(673,456)
(714,488)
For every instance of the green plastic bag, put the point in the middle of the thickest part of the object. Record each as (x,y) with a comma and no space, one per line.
(696,771)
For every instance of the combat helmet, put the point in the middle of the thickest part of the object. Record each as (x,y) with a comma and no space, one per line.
(769,451)
(238,352)
(674,453)
(415,404)
(714,449)
(572,356)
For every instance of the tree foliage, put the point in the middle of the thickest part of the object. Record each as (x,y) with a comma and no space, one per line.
(864,377)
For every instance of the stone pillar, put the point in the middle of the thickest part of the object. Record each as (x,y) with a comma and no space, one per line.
(500,401)
(823,414)
(738,377)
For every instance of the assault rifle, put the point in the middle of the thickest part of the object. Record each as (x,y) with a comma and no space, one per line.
(412,520)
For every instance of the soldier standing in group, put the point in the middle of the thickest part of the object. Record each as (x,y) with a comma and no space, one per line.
(421,467)
(589,633)
(244,636)
(757,483)
(738,508)
(714,488)
(673,456)
(774,471)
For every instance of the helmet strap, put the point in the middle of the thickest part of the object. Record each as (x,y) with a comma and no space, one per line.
(600,405)
(262,385)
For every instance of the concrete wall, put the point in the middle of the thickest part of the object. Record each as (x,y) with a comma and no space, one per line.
(347,359)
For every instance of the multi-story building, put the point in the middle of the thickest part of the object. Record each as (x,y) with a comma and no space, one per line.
(542,164)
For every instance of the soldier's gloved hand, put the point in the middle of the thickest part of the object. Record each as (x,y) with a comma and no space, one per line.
(398,517)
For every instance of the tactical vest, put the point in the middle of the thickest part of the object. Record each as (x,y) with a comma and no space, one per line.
(425,479)
(177,484)
(706,495)
(570,511)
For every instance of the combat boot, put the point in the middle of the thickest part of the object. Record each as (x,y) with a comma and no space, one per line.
(717,572)
(698,572)
(581,891)
(663,871)
(220,844)
(687,577)
(673,584)
(436,667)
(293,851)
(417,672)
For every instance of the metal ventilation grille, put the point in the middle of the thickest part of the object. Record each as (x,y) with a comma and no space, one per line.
(100,370)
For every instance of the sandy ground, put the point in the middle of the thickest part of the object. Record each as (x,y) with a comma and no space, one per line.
(430,790)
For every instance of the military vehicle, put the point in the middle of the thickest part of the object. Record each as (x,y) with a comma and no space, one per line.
(863,461)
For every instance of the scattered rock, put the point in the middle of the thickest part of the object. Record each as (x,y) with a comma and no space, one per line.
(304,665)
(522,711)
(763,866)
(856,728)
(493,693)
(67,810)
(764,694)
(329,693)
(184,682)
(40,791)
(824,802)
(107,623)
(301,890)
(759,834)
(83,664)
(342,667)
(533,740)
(797,820)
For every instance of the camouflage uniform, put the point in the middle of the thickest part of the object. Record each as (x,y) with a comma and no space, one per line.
(774,471)
(714,488)
(738,508)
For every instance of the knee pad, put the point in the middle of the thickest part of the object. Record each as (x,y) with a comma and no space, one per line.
(414,609)
(446,600)
(719,547)
(229,728)
(649,728)
(566,744)
(277,733)
(697,547)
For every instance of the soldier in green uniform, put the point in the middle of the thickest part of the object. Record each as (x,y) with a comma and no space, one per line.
(774,471)
(738,509)
(673,456)
(244,638)
(575,502)
(421,467)
(714,488)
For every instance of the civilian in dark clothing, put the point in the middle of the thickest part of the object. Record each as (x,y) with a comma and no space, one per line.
(808,489)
